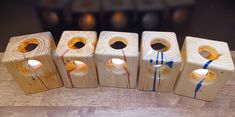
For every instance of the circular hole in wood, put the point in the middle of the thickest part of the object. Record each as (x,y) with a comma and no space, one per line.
(208,52)
(87,21)
(203,76)
(150,21)
(77,68)
(180,15)
(160,45)
(119,20)
(118,43)
(50,17)
(117,66)
(30,66)
(28,45)
(77,43)
(161,71)
(34,64)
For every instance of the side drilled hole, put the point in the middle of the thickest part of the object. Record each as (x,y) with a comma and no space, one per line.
(77,68)
(116,66)
(160,45)
(28,45)
(30,66)
(118,43)
(77,43)
(163,69)
(205,76)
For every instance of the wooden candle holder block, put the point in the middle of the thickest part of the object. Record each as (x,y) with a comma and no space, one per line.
(74,57)
(29,60)
(150,14)
(207,65)
(118,15)
(86,14)
(117,59)
(159,62)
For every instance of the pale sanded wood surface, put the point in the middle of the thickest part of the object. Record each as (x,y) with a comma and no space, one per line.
(159,68)
(19,59)
(109,102)
(76,64)
(117,67)
(217,60)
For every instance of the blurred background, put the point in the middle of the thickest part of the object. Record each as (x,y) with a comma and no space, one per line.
(212,19)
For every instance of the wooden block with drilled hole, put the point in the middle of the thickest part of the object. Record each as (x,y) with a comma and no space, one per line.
(159,62)
(74,57)
(29,59)
(117,59)
(207,65)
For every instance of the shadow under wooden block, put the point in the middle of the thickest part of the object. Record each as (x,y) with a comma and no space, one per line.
(29,60)
(159,62)
(74,57)
(117,59)
(207,65)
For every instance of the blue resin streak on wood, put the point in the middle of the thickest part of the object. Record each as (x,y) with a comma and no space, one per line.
(151,61)
(161,60)
(169,64)
(155,74)
(157,58)
(162,57)
(199,84)
(155,78)
(207,64)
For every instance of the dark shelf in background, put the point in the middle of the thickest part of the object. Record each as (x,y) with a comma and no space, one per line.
(212,19)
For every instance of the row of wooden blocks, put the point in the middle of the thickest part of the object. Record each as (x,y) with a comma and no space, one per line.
(199,71)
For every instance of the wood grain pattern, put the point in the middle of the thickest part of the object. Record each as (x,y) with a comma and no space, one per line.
(81,75)
(162,78)
(17,57)
(109,102)
(117,74)
(217,62)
